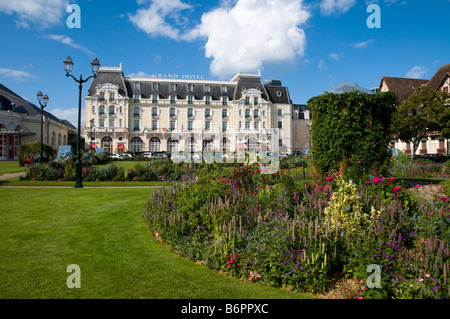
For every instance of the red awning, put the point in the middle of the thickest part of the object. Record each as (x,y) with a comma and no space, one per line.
(93,146)
(120,147)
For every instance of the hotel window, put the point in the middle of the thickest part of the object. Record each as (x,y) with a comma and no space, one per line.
(224,89)
(190,87)
(264,124)
(111,123)
(224,100)
(136,98)
(247,100)
(136,112)
(280,142)
(172,99)
(120,123)
(93,109)
(173,86)
(247,113)
(224,126)
(155,86)
(207,125)
(256,125)
(207,113)
(101,110)
(224,113)
(154,125)
(102,96)
(137,85)
(240,112)
(172,112)
(120,110)
(255,101)
(207,100)
(264,112)
(190,126)
(101,123)
(247,125)
(190,112)
(154,98)
(111,97)
(256,114)
(136,126)
(155,145)
(136,145)
(190,99)
(172,145)
(112,110)
(280,124)
(172,125)
(154,112)
(240,124)
(280,112)
(207,88)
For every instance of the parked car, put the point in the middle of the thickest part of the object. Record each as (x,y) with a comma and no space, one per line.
(126,156)
(148,155)
(160,155)
(115,156)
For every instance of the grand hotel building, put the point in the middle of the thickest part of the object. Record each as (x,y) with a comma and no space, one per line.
(167,113)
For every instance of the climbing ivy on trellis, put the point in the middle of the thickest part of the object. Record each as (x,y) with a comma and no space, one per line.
(351,132)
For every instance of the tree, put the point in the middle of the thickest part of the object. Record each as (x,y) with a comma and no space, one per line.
(423,112)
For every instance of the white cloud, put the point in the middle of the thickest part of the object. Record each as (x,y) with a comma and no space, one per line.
(321,64)
(361,45)
(153,19)
(251,34)
(41,13)
(67,41)
(416,72)
(16,75)
(330,7)
(335,56)
(69,114)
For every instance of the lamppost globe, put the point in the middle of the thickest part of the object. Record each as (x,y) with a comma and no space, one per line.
(68,64)
(95,64)
(45,99)
(39,96)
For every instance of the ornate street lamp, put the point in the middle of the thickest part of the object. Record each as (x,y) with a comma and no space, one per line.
(43,100)
(410,114)
(68,65)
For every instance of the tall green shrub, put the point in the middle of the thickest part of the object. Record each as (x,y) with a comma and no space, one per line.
(351,129)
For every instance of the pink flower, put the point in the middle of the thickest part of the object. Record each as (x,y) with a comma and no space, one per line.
(360,297)
(376,180)
(397,189)
(359,162)
(156,235)
(229,266)
(258,276)
(367,182)
(363,288)
(391,179)
(421,279)
(320,188)
(329,179)
(444,198)
(417,186)
(361,281)
(427,275)
(254,194)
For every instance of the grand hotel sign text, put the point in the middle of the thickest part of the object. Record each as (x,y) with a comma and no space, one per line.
(177,76)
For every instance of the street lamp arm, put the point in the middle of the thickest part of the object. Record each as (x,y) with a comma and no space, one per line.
(80,81)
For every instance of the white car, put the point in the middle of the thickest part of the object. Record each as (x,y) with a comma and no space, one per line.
(115,156)
(160,155)
(126,155)
(149,155)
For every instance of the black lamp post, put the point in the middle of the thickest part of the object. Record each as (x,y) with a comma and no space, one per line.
(43,100)
(68,65)
(410,114)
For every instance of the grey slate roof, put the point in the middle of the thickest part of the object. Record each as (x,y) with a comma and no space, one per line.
(345,87)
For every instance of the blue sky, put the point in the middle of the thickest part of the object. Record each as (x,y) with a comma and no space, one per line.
(309,45)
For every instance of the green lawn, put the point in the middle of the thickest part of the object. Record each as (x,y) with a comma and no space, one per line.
(123,164)
(42,231)
(8,167)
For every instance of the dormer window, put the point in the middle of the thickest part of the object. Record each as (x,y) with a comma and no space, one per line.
(137,85)
(224,89)
(173,86)
(190,87)
(155,86)
(207,88)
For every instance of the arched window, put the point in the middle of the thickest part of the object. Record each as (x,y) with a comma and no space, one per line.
(207,146)
(252,145)
(107,145)
(64,140)
(136,145)
(190,145)
(101,110)
(225,146)
(59,139)
(172,145)
(155,145)
(53,139)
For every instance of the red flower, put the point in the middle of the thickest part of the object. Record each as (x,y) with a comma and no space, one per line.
(367,182)
(444,198)
(392,179)
(254,194)
(359,162)
(376,180)
(329,179)
(397,189)
(320,188)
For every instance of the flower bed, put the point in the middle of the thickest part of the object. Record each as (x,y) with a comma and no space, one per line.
(280,231)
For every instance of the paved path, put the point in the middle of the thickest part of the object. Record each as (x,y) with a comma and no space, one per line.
(12,175)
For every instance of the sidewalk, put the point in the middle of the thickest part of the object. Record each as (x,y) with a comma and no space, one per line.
(12,175)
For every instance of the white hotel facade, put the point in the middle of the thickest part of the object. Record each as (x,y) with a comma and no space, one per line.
(179,113)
